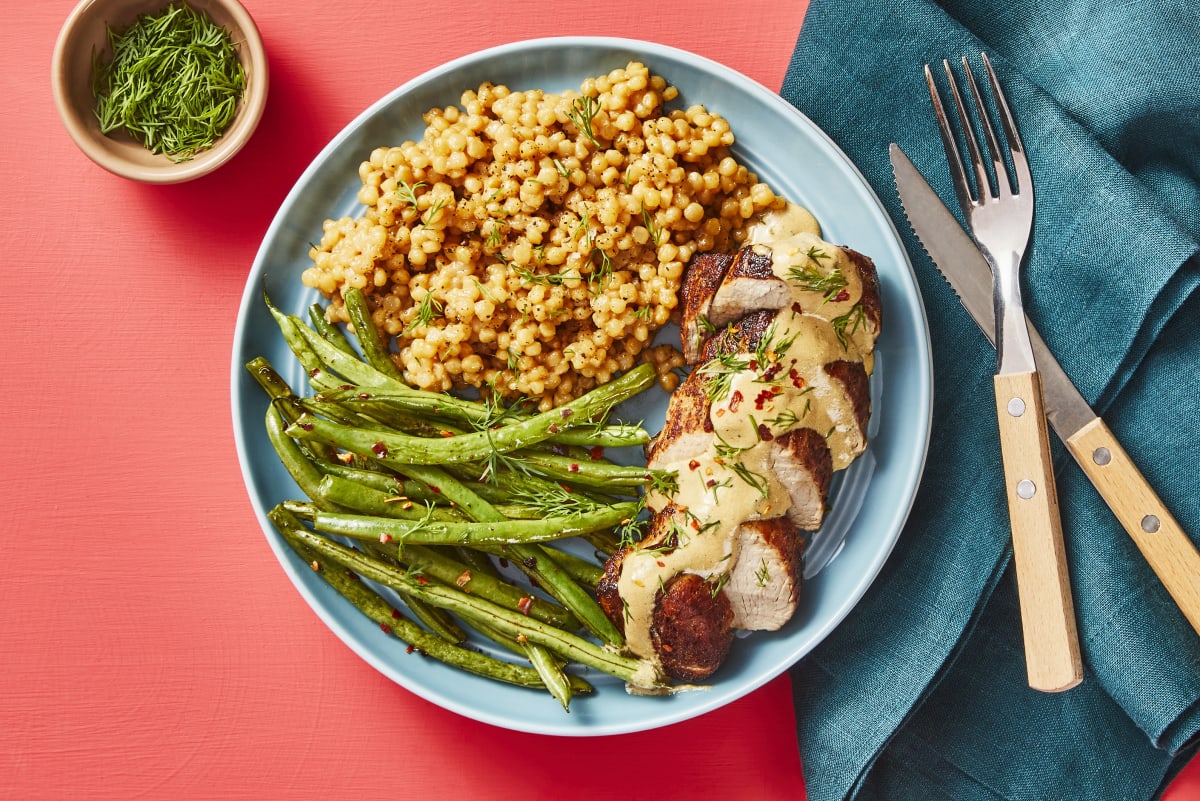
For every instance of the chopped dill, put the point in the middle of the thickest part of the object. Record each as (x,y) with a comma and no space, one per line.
(172,82)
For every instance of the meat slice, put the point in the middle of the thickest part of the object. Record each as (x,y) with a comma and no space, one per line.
(692,627)
(764,585)
(871,302)
(687,429)
(741,336)
(700,281)
(803,464)
(749,285)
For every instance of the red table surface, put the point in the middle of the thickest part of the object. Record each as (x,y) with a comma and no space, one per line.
(152,647)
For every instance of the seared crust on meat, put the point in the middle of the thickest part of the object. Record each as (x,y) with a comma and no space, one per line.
(857,386)
(687,430)
(871,302)
(607,592)
(741,336)
(700,282)
(692,627)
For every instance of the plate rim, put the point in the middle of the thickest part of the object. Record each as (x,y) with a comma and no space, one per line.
(715,697)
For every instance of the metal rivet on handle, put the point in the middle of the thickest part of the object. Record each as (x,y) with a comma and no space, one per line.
(1026,489)
(1101,456)
(1150,524)
(1016,407)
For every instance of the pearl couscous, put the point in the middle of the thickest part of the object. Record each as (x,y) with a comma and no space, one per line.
(531,244)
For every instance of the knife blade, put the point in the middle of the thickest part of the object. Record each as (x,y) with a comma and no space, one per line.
(1162,542)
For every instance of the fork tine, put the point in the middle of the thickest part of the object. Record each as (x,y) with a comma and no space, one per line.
(982,185)
(1024,182)
(989,134)
(958,174)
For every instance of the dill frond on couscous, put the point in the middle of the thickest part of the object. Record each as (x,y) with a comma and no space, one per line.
(531,244)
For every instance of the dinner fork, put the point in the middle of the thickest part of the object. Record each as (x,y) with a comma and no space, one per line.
(998,208)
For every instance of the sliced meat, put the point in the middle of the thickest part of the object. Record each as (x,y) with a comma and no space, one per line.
(749,285)
(764,586)
(871,302)
(692,627)
(687,430)
(607,591)
(741,336)
(700,281)
(856,385)
(803,464)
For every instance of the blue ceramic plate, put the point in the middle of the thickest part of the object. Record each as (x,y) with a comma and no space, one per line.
(787,151)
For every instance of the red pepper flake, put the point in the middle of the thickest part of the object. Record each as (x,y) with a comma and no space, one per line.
(410,649)
(566,488)
(307,426)
(567,413)
(553,428)
(313,373)
(396,613)
(764,432)
(761,399)
(712,482)
(463,579)
(841,297)
(797,308)
(446,434)
(364,396)
(692,465)
(573,467)
(754,365)
(434,489)
(772,371)
(797,380)
(735,400)
(385,538)
(597,452)
(406,505)
(385,628)
(315,565)
(660,563)
(422,580)
(379,449)
(345,457)
(525,604)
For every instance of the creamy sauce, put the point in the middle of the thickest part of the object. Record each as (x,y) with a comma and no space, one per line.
(779,388)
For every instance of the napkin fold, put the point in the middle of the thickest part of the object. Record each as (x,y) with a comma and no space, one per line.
(920,693)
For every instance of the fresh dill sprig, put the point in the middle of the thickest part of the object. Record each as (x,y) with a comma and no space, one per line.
(408,192)
(810,278)
(583,110)
(846,324)
(429,308)
(720,372)
(172,82)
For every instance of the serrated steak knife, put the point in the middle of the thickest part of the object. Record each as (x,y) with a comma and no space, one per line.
(1168,550)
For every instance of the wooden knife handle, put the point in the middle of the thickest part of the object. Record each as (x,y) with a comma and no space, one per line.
(1171,554)
(1052,657)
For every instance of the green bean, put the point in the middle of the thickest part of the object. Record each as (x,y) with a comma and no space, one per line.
(583,571)
(639,673)
(373,348)
(435,564)
(328,331)
(480,445)
(391,620)
(367,500)
(439,532)
(587,472)
(439,621)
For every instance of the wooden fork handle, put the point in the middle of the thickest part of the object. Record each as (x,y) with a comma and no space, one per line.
(1052,657)
(1164,544)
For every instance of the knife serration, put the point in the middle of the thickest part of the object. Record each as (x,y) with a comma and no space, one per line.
(959,261)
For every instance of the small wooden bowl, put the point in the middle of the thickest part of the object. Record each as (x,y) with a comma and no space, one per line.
(85,33)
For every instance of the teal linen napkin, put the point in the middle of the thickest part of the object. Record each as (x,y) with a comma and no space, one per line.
(921,692)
